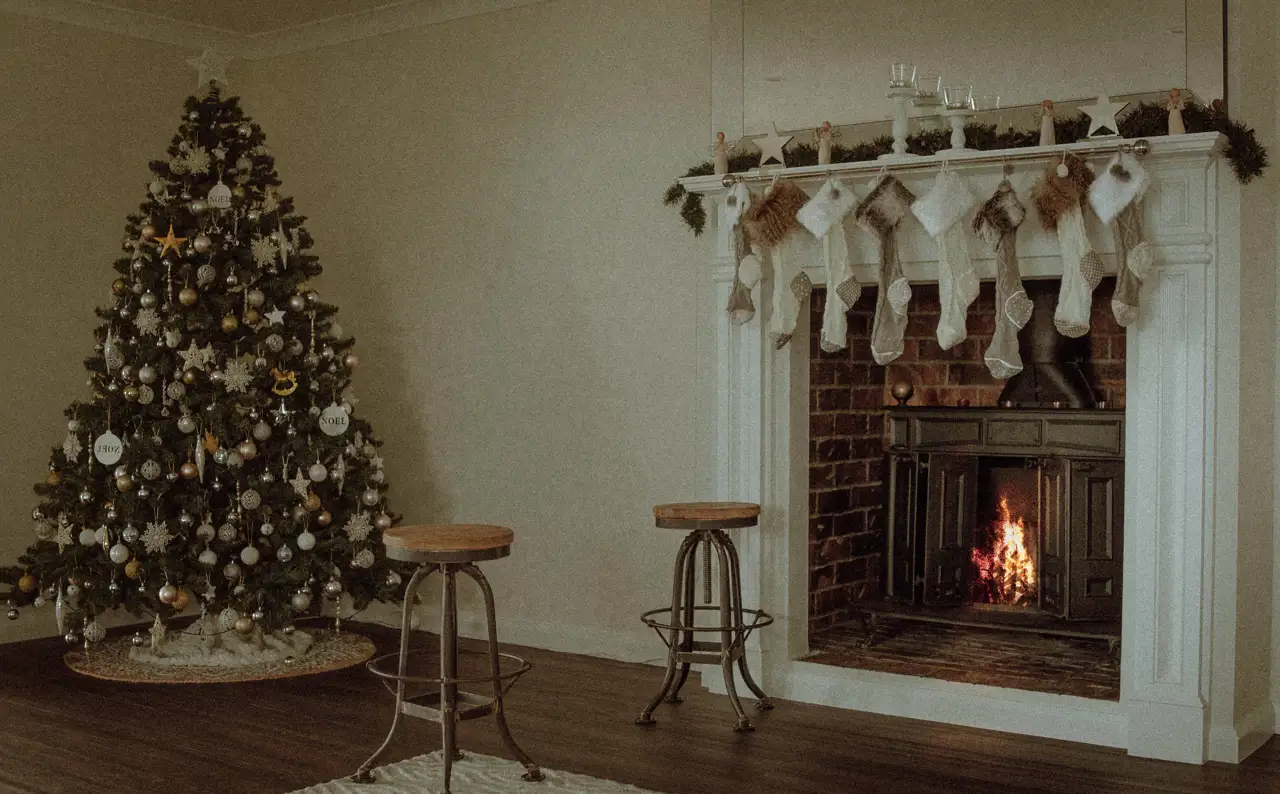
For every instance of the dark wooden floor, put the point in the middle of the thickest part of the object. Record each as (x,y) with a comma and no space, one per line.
(65,733)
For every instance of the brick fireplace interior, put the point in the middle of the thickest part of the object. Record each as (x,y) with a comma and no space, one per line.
(848,532)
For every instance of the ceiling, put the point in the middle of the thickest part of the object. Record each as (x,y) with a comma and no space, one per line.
(249,17)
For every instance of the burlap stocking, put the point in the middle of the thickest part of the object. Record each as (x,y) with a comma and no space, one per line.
(998,221)
(880,213)
(768,223)
(1059,198)
(823,216)
(940,211)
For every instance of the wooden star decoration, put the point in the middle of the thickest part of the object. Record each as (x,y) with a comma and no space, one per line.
(771,146)
(212,66)
(1102,115)
(169,242)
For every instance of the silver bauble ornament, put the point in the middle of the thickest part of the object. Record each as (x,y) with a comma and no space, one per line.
(301,602)
(393,579)
(249,555)
(267,477)
(258,616)
(198,207)
(234,459)
(167,594)
(245,129)
(369,497)
(256,298)
(251,499)
(144,492)
(113,588)
(71,637)
(262,431)
(137,640)
(206,531)
(207,558)
(297,303)
(148,300)
(130,534)
(295,347)
(88,537)
(299,513)
(286,630)
(186,423)
(317,472)
(147,374)
(202,244)
(186,519)
(363,559)
(267,529)
(73,591)
(85,497)
(254,215)
(227,533)
(306,541)
(232,279)
(220,457)
(382,521)
(275,343)
(244,164)
(284,554)
(231,571)
(332,588)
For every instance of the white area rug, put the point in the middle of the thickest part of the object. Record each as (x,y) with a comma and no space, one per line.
(475,774)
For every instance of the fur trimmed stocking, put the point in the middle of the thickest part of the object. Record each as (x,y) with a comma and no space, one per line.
(997,222)
(880,213)
(1117,194)
(768,223)
(940,211)
(746,271)
(824,217)
(1059,196)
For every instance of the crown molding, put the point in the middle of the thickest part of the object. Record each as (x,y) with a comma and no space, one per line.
(389,18)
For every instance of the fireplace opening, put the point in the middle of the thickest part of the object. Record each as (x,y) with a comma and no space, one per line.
(975,533)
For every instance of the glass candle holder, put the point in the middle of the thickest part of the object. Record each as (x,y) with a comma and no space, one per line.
(928,86)
(986,102)
(958,97)
(902,75)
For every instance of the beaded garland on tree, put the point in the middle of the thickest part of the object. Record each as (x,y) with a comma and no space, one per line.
(220,377)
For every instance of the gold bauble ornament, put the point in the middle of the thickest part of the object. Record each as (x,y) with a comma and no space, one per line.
(351,360)
(130,393)
(181,602)
(28,583)
(238,192)
(230,323)
(324,518)
(252,316)
(119,286)
(124,482)
(133,568)
(313,501)
(148,231)
(189,471)
(187,296)
(190,376)
(53,478)
(244,624)
(247,449)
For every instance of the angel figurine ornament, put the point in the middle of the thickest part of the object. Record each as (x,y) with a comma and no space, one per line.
(822,137)
(1175,105)
(721,154)
(1047,135)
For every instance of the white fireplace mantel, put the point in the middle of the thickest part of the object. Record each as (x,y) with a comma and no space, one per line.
(1179,698)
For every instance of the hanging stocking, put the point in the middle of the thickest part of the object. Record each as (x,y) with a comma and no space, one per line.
(824,217)
(998,221)
(1117,194)
(940,211)
(1059,196)
(746,271)
(880,213)
(768,222)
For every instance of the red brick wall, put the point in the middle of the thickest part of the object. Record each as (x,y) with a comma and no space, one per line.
(848,393)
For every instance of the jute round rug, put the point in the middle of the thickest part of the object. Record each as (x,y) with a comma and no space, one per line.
(110,660)
(474,774)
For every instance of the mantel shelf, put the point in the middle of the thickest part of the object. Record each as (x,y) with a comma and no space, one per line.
(1199,144)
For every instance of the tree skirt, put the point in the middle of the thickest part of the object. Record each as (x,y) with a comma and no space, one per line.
(111,660)
(474,774)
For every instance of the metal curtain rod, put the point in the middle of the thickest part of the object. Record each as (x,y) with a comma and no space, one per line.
(1140,147)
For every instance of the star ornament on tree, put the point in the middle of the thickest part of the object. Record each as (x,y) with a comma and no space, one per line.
(169,242)
(771,146)
(1102,116)
(212,66)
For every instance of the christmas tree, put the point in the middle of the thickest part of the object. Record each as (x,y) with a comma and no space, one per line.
(218,460)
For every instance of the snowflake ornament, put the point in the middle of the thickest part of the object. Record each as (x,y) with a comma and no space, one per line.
(264,251)
(148,322)
(156,537)
(358,528)
(198,160)
(63,536)
(236,376)
(71,447)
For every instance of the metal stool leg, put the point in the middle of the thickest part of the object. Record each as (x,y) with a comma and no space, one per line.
(686,644)
(686,548)
(449,671)
(729,639)
(365,773)
(735,571)
(532,772)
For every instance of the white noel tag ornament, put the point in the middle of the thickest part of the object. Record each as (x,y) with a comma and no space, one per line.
(334,420)
(219,196)
(108,448)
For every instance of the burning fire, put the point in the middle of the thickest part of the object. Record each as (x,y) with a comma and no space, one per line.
(1006,573)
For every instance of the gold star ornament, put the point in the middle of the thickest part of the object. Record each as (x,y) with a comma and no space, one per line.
(170,242)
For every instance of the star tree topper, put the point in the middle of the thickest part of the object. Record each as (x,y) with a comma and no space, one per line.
(1102,115)
(771,146)
(212,66)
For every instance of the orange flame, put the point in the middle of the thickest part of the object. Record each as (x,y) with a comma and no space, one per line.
(1006,573)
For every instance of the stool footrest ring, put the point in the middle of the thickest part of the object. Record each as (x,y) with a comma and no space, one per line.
(507,676)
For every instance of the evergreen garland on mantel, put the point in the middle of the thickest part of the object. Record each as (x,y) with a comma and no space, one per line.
(1248,157)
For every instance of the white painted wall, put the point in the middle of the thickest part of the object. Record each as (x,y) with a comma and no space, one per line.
(83,113)
(815,60)
(485,196)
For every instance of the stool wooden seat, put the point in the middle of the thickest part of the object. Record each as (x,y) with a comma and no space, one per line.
(449,549)
(448,543)
(706,515)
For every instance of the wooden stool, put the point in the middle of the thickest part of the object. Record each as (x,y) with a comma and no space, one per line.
(707,520)
(449,549)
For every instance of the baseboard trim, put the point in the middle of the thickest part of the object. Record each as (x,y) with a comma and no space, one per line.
(1233,744)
